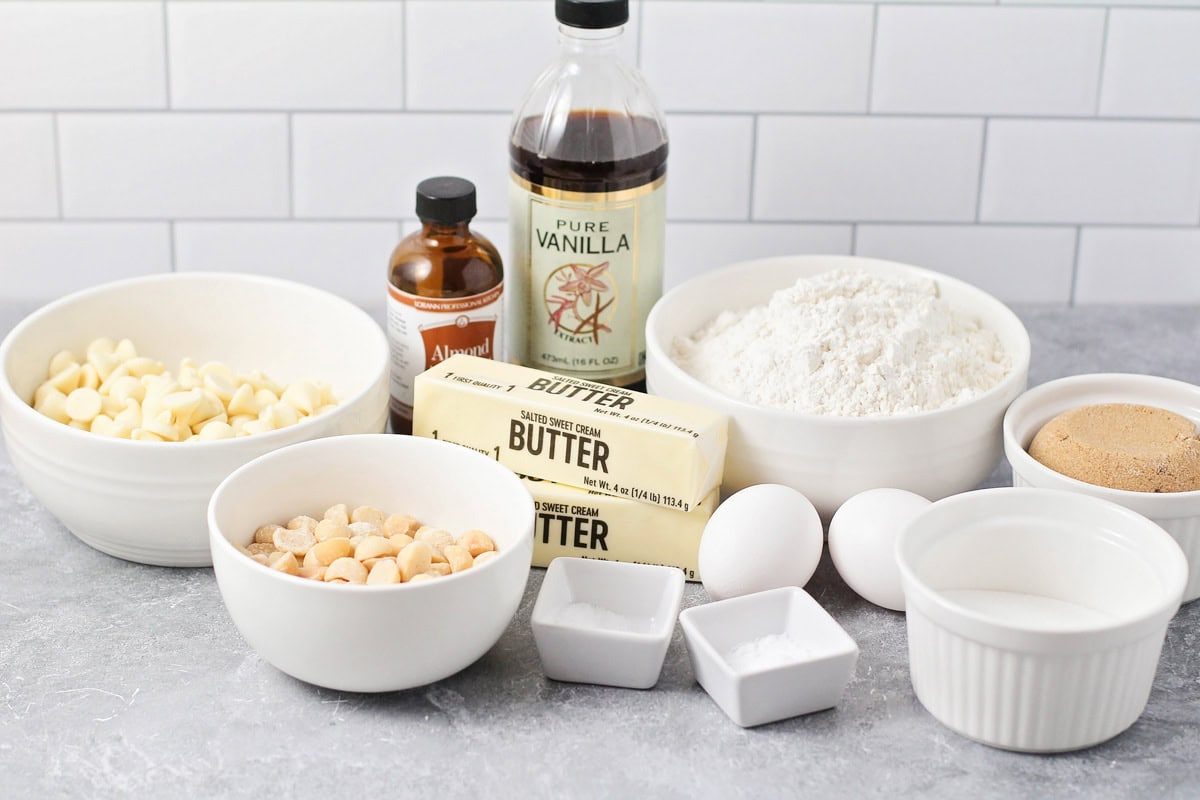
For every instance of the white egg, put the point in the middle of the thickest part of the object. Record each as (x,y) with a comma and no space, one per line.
(862,542)
(763,537)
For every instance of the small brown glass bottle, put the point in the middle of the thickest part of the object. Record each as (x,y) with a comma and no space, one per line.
(444,291)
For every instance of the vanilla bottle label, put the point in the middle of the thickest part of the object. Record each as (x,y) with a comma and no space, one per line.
(589,267)
(425,331)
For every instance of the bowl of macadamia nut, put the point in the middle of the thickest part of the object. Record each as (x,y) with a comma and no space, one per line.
(371,563)
(123,406)
(1131,439)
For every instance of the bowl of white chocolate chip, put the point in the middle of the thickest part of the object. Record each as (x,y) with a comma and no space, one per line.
(123,406)
(841,374)
(372,563)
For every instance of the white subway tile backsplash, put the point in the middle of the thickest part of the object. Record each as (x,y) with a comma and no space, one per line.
(81,55)
(493,52)
(369,165)
(28,172)
(498,48)
(286,137)
(1015,264)
(1091,172)
(708,166)
(723,56)
(1152,64)
(1130,265)
(867,168)
(697,247)
(954,60)
(269,55)
(347,258)
(45,260)
(174,165)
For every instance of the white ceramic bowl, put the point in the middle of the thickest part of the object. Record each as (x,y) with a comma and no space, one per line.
(1036,617)
(1177,512)
(770,655)
(145,501)
(360,638)
(606,622)
(830,459)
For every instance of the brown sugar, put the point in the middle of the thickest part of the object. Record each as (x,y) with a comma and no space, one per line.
(1122,446)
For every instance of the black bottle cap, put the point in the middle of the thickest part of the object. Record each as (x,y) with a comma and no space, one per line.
(445,199)
(592,13)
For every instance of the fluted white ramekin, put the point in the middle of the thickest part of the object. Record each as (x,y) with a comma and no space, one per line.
(1036,617)
(1178,513)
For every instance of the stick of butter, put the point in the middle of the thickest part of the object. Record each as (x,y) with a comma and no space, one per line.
(574,432)
(586,524)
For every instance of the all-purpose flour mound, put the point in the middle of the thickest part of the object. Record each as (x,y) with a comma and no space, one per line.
(847,343)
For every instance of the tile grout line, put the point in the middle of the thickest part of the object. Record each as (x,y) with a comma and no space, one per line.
(404,55)
(291,171)
(58,170)
(171,245)
(641,26)
(1075,267)
(854,239)
(987,124)
(753,165)
(804,222)
(166,53)
(833,114)
(871,57)
(1103,58)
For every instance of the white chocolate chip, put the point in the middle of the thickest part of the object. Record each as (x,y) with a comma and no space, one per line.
(243,401)
(302,396)
(125,350)
(84,404)
(67,380)
(214,430)
(54,405)
(61,360)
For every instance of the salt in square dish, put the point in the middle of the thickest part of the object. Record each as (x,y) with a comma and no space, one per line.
(606,622)
(770,655)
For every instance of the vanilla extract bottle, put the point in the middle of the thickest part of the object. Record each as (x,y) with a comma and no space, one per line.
(588,153)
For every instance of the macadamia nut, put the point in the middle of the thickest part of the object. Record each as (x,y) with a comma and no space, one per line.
(338,550)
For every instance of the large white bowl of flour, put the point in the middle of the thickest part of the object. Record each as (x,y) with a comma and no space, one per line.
(841,374)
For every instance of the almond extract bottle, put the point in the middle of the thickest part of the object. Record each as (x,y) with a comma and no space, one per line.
(588,152)
(445,287)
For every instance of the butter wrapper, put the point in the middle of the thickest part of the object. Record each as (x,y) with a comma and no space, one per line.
(575,432)
(585,524)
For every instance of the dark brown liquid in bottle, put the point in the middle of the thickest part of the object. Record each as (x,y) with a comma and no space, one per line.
(442,260)
(596,151)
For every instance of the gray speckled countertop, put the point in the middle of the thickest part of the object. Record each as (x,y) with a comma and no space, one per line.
(118,679)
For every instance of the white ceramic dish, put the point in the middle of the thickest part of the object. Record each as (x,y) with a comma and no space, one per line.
(373,638)
(830,459)
(1178,512)
(145,501)
(1036,617)
(606,622)
(768,656)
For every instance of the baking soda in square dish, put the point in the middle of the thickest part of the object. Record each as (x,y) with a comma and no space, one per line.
(766,652)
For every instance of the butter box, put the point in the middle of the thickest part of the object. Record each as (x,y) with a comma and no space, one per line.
(575,432)
(586,524)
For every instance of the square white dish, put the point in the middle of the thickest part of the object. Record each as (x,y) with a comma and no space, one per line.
(606,622)
(768,656)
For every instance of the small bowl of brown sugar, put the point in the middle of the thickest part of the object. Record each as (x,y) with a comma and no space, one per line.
(1130,439)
